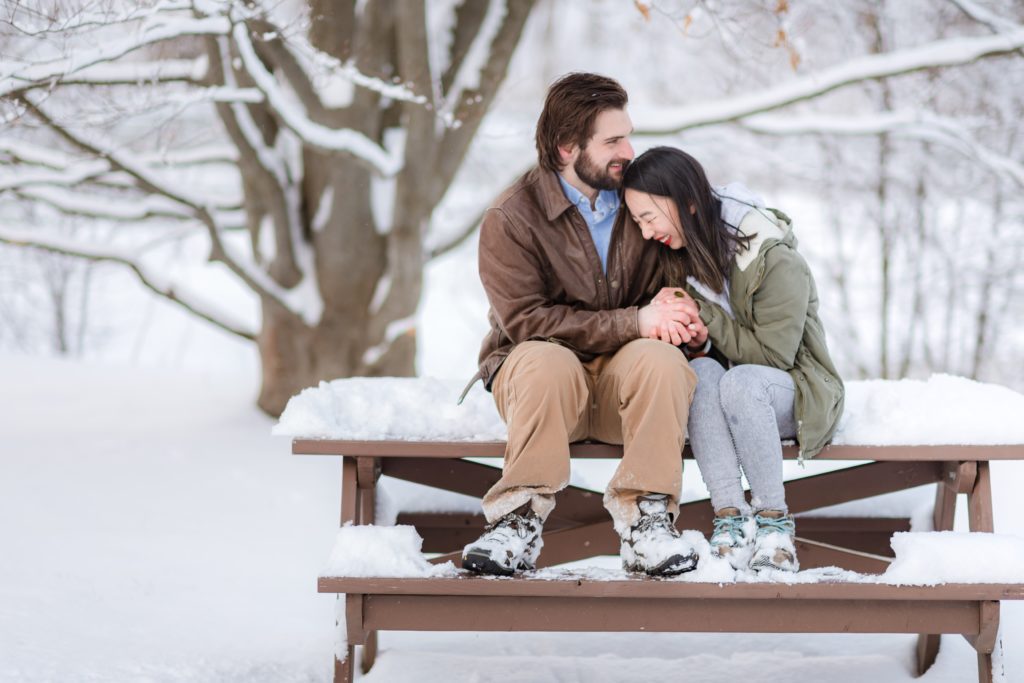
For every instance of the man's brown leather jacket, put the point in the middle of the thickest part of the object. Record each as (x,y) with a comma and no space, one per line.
(543,276)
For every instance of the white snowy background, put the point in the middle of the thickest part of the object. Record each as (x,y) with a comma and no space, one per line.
(152,529)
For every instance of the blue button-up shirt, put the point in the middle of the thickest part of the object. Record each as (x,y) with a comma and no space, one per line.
(600,219)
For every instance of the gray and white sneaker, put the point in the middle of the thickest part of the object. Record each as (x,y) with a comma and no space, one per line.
(773,543)
(653,545)
(731,539)
(510,544)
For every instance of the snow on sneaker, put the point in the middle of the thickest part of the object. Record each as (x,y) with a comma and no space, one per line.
(773,544)
(653,545)
(731,539)
(509,545)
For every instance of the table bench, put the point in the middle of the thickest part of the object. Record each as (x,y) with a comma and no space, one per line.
(580,528)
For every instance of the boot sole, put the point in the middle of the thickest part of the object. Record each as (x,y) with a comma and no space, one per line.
(676,565)
(765,565)
(483,564)
(673,566)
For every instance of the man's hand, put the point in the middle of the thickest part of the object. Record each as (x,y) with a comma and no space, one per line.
(668,321)
(692,331)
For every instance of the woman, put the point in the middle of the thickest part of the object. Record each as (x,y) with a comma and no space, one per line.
(764,372)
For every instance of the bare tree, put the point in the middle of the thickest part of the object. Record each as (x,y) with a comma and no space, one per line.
(308,143)
(346,125)
(898,164)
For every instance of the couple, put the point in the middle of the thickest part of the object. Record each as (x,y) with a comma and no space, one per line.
(629,301)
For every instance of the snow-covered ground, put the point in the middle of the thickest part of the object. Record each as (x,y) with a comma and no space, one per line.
(151,529)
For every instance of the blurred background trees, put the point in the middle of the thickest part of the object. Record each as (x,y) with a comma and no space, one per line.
(288,171)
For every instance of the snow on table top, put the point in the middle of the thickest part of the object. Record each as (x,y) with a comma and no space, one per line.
(922,559)
(393,551)
(943,410)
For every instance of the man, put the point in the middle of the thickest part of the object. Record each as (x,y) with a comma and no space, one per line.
(567,278)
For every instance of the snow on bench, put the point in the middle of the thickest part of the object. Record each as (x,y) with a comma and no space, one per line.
(921,559)
(943,410)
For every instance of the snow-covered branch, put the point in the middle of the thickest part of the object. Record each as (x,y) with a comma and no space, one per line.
(49,176)
(153,280)
(986,16)
(910,124)
(133,210)
(940,53)
(58,179)
(470,70)
(294,117)
(251,275)
(395,330)
(278,196)
(470,110)
(27,153)
(89,20)
(17,76)
(327,73)
(135,73)
(146,179)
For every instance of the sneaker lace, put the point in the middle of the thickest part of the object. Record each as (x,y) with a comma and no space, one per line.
(658,523)
(510,526)
(782,525)
(732,525)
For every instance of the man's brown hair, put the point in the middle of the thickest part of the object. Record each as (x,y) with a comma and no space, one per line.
(572,105)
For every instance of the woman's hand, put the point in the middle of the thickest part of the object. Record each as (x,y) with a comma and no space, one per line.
(675,294)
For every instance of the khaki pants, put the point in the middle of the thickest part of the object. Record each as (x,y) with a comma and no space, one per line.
(638,396)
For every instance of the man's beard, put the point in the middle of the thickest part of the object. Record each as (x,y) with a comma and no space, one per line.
(596,177)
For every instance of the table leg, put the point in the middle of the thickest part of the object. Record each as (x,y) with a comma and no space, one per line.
(984,667)
(927,651)
(343,670)
(368,471)
(942,520)
(349,491)
(369,651)
(979,505)
(979,500)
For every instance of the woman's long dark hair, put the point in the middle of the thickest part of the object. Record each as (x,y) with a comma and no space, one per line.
(710,244)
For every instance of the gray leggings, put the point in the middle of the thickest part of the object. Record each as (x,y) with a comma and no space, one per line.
(738,418)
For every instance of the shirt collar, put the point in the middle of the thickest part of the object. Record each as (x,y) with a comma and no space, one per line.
(607,200)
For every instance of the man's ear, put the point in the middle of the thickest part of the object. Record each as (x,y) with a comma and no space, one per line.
(567,152)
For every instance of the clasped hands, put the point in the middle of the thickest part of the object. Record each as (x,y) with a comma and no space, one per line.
(673,317)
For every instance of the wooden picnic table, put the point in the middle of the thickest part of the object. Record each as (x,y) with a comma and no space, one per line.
(580,528)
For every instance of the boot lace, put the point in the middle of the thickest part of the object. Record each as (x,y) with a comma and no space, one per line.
(769,525)
(657,524)
(510,526)
(732,525)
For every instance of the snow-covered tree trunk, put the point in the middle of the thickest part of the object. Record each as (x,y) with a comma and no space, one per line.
(369,267)
(348,122)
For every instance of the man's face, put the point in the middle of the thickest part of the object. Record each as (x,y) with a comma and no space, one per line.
(604,159)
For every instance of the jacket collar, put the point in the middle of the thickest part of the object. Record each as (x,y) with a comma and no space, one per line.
(551,195)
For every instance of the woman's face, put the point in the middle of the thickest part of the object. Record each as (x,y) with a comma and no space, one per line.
(658,218)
